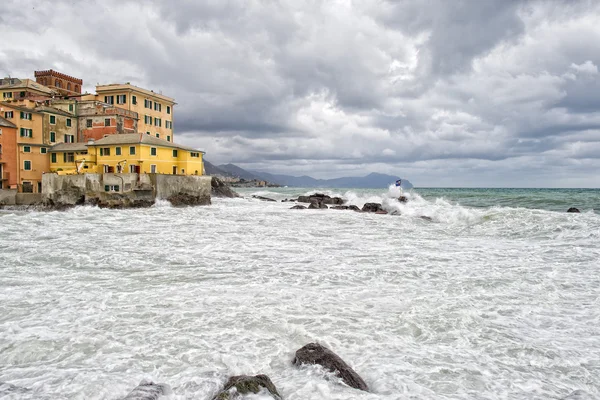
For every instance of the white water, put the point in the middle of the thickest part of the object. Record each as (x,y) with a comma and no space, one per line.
(479,304)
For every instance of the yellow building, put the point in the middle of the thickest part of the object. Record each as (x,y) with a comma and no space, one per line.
(39,126)
(155,111)
(126,153)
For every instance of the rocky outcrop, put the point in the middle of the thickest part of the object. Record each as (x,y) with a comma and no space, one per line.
(318,205)
(573,210)
(148,391)
(354,208)
(298,207)
(185,199)
(238,386)
(262,198)
(221,189)
(340,207)
(314,353)
(320,198)
(118,201)
(372,207)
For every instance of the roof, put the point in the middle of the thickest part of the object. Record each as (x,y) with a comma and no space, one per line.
(27,84)
(68,147)
(139,138)
(129,87)
(6,123)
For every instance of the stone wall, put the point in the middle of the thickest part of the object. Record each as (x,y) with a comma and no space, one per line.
(166,186)
(8,197)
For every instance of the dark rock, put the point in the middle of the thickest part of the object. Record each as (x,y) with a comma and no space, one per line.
(285,200)
(340,207)
(320,198)
(298,207)
(185,199)
(573,210)
(262,198)
(402,199)
(245,384)
(371,207)
(354,208)
(426,218)
(381,212)
(317,205)
(221,189)
(148,391)
(314,353)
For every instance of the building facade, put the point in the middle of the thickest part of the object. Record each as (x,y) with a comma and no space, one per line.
(8,154)
(65,85)
(23,89)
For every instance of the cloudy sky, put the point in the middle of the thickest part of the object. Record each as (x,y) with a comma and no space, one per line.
(444,93)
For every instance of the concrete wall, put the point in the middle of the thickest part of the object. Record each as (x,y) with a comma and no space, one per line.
(168,185)
(8,197)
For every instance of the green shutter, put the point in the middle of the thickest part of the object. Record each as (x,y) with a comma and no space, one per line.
(54,157)
(106,188)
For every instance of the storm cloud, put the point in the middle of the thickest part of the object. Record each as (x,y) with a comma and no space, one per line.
(444,93)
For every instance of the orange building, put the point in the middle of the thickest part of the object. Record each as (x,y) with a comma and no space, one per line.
(8,154)
(97,119)
(65,85)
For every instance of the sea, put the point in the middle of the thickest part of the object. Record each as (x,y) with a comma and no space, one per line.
(494,296)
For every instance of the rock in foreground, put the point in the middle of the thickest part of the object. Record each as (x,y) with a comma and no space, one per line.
(221,189)
(238,386)
(148,391)
(372,207)
(573,210)
(314,353)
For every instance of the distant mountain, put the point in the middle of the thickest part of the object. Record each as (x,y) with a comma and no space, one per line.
(371,181)
(211,169)
(234,170)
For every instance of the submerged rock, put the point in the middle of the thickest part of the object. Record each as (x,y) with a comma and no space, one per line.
(147,390)
(262,198)
(221,189)
(381,212)
(298,207)
(573,210)
(314,353)
(426,218)
(184,199)
(372,207)
(238,386)
(339,207)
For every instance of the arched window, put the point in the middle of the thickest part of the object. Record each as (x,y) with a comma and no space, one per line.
(57,83)
(68,86)
(77,89)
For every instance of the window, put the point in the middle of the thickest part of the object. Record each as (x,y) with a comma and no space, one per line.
(69,138)
(68,157)
(27,115)
(147,120)
(133,169)
(157,106)
(152,168)
(70,107)
(157,122)
(107,122)
(168,109)
(132,150)
(7,95)
(26,132)
(109,99)
(158,135)
(8,114)
(88,123)
(69,122)
(111,188)
(147,133)
(148,103)
(105,151)
(121,99)
(153,151)
(52,119)
(194,154)
(174,153)
(53,158)
(26,149)
(168,138)
(43,150)
(22,94)
(133,100)
(117,151)
(168,124)
(52,137)
(27,165)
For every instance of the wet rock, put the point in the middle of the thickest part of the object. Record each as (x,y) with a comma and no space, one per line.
(298,207)
(426,218)
(354,208)
(573,210)
(371,207)
(238,386)
(318,205)
(321,198)
(221,189)
(339,207)
(403,199)
(184,199)
(118,202)
(262,198)
(314,353)
(147,390)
